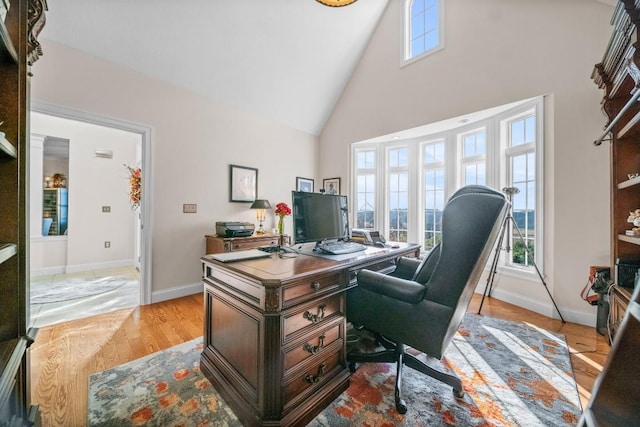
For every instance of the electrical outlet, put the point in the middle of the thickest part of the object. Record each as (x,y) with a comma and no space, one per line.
(189,208)
(106,209)
(107,244)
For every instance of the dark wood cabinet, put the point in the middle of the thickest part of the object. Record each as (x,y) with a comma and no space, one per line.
(19,49)
(219,244)
(275,331)
(614,395)
(618,75)
(619,298)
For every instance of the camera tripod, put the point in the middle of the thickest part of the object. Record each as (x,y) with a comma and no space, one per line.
(506,229)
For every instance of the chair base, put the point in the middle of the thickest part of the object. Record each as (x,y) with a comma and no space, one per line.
(396,353)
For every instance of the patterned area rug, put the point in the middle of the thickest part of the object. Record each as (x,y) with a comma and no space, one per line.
(71,289)
(513,375)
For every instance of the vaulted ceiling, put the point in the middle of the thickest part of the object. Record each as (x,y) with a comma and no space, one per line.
(285,60)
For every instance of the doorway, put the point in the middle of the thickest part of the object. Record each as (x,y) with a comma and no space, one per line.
(105,242)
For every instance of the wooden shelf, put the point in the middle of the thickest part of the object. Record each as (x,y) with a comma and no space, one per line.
(7,250)
(6,147)
(629,239)
(7,51)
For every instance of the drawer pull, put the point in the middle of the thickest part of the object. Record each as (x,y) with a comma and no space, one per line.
(314,349)
(315,318)
(314,379)
(315,286)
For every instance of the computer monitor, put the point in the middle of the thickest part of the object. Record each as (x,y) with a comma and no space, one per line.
(318,217)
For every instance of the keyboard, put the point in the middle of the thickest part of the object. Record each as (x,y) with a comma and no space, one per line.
(339,248)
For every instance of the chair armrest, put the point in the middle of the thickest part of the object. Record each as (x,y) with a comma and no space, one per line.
(393,287)
(406,268)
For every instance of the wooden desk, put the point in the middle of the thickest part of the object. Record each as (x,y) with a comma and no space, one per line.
(219,244)
(274,331)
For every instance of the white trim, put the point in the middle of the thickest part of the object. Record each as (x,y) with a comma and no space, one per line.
(65,269)
(146,134)
(177,292)
(581,317)
(405,58)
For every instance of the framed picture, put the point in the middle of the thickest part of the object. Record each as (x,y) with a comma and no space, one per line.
(304,184)
(331,185)
(243,184)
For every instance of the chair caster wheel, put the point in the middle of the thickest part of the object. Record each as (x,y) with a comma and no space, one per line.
(401,407)
(352,367)
(458,393)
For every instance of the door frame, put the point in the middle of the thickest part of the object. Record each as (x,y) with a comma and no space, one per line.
(146,216)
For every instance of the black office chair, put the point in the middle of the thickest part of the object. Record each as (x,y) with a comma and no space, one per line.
(422,303)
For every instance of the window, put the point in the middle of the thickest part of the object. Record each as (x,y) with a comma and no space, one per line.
(398,195)
(410,180)
(422,27)
(434,191)
(521,161)
(366,189)
(474,151)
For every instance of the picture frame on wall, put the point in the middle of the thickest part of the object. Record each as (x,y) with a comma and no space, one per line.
(304,184)
(331,185)
(243,184)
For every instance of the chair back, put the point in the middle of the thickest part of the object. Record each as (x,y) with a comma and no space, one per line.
(471,223)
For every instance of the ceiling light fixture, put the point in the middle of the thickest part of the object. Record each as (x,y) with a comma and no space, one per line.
(336,3)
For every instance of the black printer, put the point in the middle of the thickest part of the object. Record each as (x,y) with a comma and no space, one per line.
(234,229)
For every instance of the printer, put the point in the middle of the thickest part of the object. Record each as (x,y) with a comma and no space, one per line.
(234,229)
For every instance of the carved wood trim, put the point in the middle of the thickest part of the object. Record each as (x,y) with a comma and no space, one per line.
(35,22)
(272,299)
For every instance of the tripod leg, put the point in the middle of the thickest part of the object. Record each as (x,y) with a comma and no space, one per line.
(494,266)
(526,248)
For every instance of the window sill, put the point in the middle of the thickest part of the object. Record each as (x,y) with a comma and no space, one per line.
(528,274)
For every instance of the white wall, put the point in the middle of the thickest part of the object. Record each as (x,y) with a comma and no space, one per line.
(496,52)
(193,142)
(92,183)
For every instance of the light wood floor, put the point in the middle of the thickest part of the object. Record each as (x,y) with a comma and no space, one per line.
(64,355)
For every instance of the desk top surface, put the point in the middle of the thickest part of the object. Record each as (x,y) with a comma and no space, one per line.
(281,267)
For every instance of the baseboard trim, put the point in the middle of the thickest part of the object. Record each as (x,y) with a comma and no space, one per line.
(63,269)
(587,318)
(177,292)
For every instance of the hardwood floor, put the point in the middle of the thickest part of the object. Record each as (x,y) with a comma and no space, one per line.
(65,354)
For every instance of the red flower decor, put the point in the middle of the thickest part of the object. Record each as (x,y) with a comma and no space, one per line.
(282,209)
(135,179)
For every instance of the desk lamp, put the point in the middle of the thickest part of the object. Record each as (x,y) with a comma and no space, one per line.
(260,205)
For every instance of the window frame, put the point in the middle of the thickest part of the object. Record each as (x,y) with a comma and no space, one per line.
(497,173)
(406,57)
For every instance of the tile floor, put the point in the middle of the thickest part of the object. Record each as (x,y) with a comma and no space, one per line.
(56,312)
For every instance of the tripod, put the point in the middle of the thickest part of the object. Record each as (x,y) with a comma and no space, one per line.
(510,191)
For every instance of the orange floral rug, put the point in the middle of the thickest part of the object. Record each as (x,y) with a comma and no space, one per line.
(513,375)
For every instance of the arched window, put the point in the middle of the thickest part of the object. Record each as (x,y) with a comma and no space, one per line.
(423,28)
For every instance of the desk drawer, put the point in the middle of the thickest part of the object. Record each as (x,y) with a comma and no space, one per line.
(314,346)
(312,378)
(307,289)
(241,245)
(313,315)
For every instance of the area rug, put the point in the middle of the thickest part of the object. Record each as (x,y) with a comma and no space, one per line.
(513,375)
(71,289)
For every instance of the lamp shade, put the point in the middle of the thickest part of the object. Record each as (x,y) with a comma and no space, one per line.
(260,204)
(336,3)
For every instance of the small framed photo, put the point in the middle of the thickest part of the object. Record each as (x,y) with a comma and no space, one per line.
(304,184)
(331,185)
(243,184)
